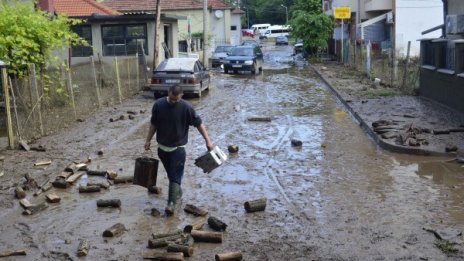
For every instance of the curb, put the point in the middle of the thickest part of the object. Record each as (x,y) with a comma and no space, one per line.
(372,134)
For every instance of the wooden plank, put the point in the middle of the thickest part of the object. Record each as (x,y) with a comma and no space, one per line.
(43,163)
(53,198)
(25,203)
(162,256)
(206,236)
(5,253)
(74,177)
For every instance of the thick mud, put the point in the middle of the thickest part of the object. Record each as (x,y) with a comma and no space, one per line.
(337,197)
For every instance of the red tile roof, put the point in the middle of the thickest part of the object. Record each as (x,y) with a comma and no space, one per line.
(81,8)
(238,11)
(166,5)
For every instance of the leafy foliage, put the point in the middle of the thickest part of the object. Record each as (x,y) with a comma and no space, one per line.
(30,36)
(310,24)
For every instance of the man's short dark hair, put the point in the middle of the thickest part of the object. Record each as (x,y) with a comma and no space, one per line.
(175,90)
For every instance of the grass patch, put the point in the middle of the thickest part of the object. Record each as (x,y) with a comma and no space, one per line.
(381,93)
(446,246)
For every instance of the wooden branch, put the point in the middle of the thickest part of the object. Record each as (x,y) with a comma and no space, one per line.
(255,205)
(169,234)
(101,173)
(113,203)
(195,210)
(206,236)
(163,242)
(162,256)
(89,189)
(126,179)
(230,256)
(53,198)
(216,224)
(74,177)
(186,250)
(35,209)
(196,225)
(83,248)
(65,174)
(6,253)
(115,230)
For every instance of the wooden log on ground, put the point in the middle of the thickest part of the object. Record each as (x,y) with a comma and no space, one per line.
(74,177)
(112,174)
(53,198)
(255,205)
(43,188)
(25,203)
(101,173)
(6,253)
(163,242)
(230,256)
(43,163)
(19,193)
(196,225)
(81,167)
(162,256)
(115,230)
(83,248)
(169,234)
(189,208)
(296,143)
(124,179)
(263,119)
(441,131)
(216,224)
(39,148)
(65,174)
(186,250)
(35,209)
(112,203)
(60,182)
(189,241)
(89,189)
(101,184)
(232,148)
(30,182)
(72,167)
(206,236)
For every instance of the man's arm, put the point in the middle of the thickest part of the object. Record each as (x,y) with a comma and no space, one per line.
(150,134)
(201,128)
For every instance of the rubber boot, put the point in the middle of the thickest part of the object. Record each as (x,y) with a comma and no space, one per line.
(172,198)
(179,193)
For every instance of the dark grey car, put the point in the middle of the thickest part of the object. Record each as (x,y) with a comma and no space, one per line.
(244,58)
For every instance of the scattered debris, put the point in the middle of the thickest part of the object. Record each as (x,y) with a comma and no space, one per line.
(46,186)
(189,208)
(112,174)
(89,189)
(155,212)
(255,205)
(53,198)
(71,179)
(115,230)
(24,145)
(25,203)
(60,182)
(217,224)
(232,148)
(157,255)
(441,131)
(83,248)
(451,148)
(296,143)
(123,179)
(43,163)
(229,256)
(206,236)
(264,119)
(19,193)
(35,209)
(101,184)
(196,225)
(112,203)
(132,112)
(39,148)
(155,190)
(100,152)
(6,253)
(176,248)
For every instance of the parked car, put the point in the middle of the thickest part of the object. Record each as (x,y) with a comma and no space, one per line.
(281,40)
(298,46)
(250,42)
(189,73)
(248,32)
(217,58)
(244,58)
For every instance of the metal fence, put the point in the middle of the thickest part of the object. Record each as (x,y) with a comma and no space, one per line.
(48,101)
(402,73)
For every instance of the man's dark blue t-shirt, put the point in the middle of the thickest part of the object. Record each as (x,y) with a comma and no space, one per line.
(172,121)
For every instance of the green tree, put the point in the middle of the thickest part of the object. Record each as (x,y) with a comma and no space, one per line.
(30,36)
(310,24)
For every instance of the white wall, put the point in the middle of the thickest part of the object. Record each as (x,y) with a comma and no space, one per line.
(414,17)
(236,36)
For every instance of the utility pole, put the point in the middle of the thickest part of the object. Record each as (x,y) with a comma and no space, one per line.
(205,32)
(157,40)
(286,13)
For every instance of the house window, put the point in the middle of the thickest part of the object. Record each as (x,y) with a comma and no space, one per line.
(85,32)
(233,28)
(122,40)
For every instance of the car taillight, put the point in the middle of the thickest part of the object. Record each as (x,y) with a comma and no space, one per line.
(189,81)
(155,81)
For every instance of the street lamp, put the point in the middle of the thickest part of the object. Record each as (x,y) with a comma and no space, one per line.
(286,13)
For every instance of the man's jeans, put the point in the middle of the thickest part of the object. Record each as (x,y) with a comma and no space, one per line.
(173,163)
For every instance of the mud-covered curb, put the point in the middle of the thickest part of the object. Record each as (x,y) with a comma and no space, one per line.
(370,131)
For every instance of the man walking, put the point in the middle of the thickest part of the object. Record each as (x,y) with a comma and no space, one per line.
(170,120)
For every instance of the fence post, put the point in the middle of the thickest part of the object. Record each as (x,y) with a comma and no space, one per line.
(128,76)
(368,59)
(9,122)
(116,65)
(95,79)
(37,99)
(70,88)
(137,68)
(406,66)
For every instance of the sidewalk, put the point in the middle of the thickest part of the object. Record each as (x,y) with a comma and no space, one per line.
(398,123)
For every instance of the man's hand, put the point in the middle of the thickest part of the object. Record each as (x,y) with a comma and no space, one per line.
(209,146)
(147,145)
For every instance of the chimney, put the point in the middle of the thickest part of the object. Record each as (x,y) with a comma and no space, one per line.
(46,5)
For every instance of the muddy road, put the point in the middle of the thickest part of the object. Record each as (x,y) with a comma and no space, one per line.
(337,197)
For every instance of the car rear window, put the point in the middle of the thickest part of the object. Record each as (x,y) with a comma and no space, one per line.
(176,64)
(242,52)
(223,49)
